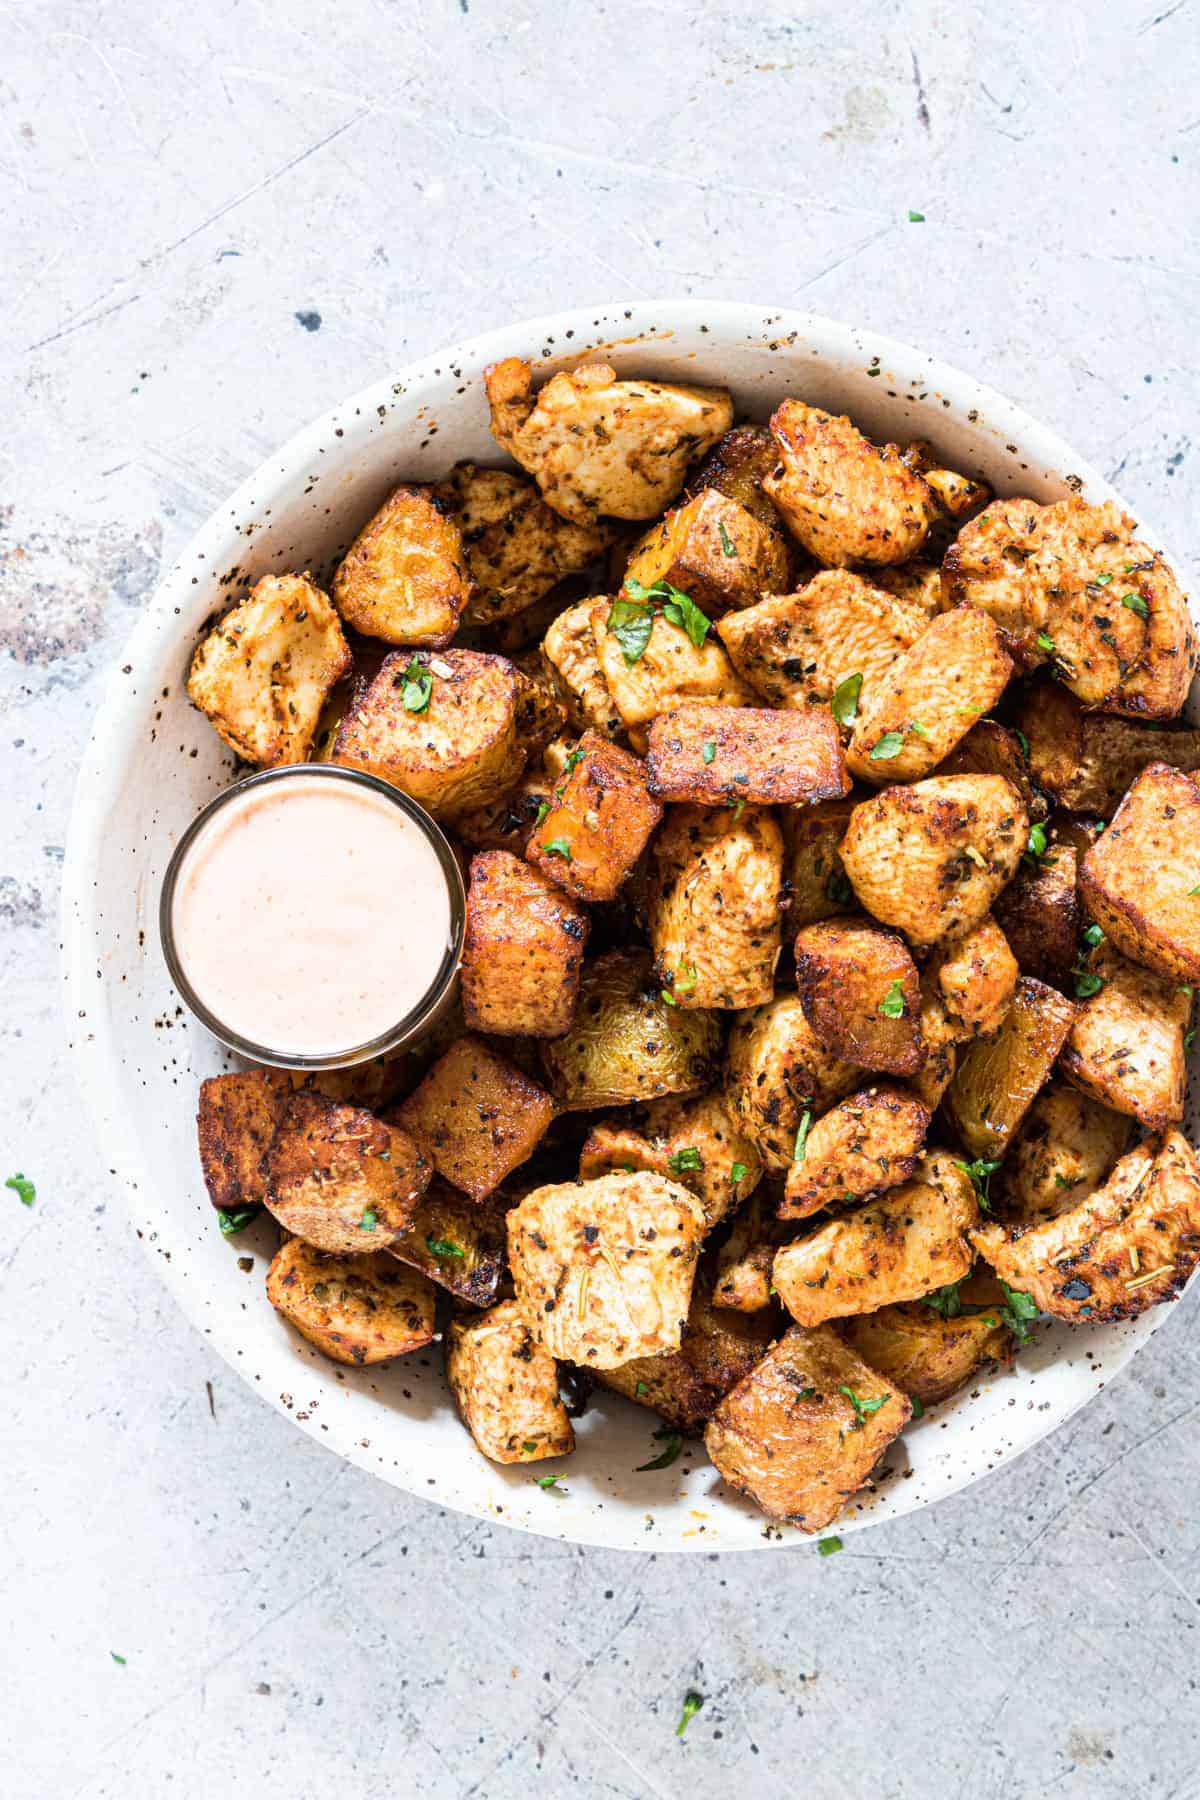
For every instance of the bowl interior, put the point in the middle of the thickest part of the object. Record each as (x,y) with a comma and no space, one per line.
(153,762)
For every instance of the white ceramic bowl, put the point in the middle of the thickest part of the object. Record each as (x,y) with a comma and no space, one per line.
(152,763)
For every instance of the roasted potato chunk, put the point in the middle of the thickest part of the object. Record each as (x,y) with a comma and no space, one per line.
(920,708)
(804,1429)
(736,467)
(478,1117)
(930,859)
(977,978)
(718,755)
(846,499)
(505,1386)
(235,1123)
(1141,881)
(1088,760)
(507,823)
(815,884)
(600,820)
(990,748)
(861,994)
(866,1143)
(1039,913)
(597,445)
(694,1142)
(1066,1146)
(778,1069)
(444,729)
(405,577)
(522,951)
(603,1269)
(997,1077)
(1126,1043)
(718,1348)
(909,1241)
(928,1355)
(264,671)
(569,651)
(670,671)
(355,1309)
(516,547)
(714,917)
(626,1043)
(340,1178)
(1130,1245)
(714,550)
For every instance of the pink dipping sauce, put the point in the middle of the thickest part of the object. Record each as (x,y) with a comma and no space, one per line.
(311,916)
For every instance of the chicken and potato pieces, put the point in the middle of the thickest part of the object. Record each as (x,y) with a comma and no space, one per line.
(1039,912)
(516,547)
(355,1309)
(505,1386)
(714,919)
(990,748)
(736,467)
(997,1077)
(861,994)
(815,885)
(458,1242)
(235,1122)
(522,950)
(802,1432)
(714,550)
(595,444)
(743,1273)
(603,1269)
(626,1043)
(1126,1042)
(569,652)
(976,977)
(478,1117)
(867,1142)
(929,1356)
(263,673)
(694,1142)
(718,1349)
(777,1069)
(405,578)
(1141,881)
(668,672)
(931,858)
(846,499)
(940,1036)
(1087,761)
(718,755)
(600,819)
(1066,1146)
(340,1178)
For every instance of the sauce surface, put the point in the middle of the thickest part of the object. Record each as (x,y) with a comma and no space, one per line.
(311,916)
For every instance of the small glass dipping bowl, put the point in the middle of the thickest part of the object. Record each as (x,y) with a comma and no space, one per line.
(442,982)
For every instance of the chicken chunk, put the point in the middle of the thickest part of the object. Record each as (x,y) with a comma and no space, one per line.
(405,577)
(1141,881)
(355,1309)
(505,1386)
(940,1036)
(955,495)
(718,1349)
(516,547)
(866,1143)
(743,1271)
(569,650)
(1126,1042)
(814,882)
(720,755)
(479,1117)
(1066,1146)
(522,951)
(918,584)
(846,499)
(668,671)
(600,818)
(860,992)
(714,918)
(977,978)
(695,1142)
(928,1354)
(778,1069)
(714,550)
(341,1179)
(626,1042)
(1088,760)
(919,709)
(997,1077)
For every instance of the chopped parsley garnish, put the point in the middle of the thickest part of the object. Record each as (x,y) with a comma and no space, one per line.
(1136,604)
(24,1189)
(444,1247)
(678,609)
(1093,936)
(529,1446)
(918,1407)
(558,847)
(708,749)
(549,1484)
(1191,894)
(233,1222)
(1101,580)
(692,1702)
(118,1658)
(727,543)
(1046,642)
(1036,847)
(1087,984)
(915,218)
(573,761)
(892,1004)
(665,1457)
(680,1161)
(685,980)
(980,1172)
(416,687)
(801,1149)
(863,1408)
(641,1388)
(631,622)
(543,809)
(844,705)
(1017,1314)
(1024,743)
(946,1301)
(829,1546)
(890,745)
(737,1173)
(369,1220)
(738,808)
(682,610)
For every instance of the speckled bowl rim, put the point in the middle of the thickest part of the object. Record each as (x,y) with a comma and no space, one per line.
(217,545)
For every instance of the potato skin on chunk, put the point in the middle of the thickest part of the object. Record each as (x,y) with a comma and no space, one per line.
(505,1386)
(861,994)
(1138,882)
(600,818)
(997,1077)
(404,578)
(458,1242)
(919,709)
(625,1043)
(522,951)
(477,1115)
(340,1178)
(777,1069)
(714,550)
(925,1354)
(714,918)
(1126,1043)
(516,547)
(870,1141)
(1087,761)
(694,1142)
(1040,915)
(846,499)
(718,1349)
(235,1123)
(815,884)
(355,1309)
(718,755)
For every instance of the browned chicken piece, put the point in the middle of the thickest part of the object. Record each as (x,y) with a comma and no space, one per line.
(598,445)
(801,1433)
(626,1042)
(405,578)
(778,1069)
(918,584)
(714,920)
(743,1274)
(726,755)
(477,1115)
(1066,1146)
(1126,1044)
(715,550)
(930,859)
(458,1242)
(815,884)
(506,1387)
(1039,912)
(1130,1245)
(600,819)
(941,1036)
(861,994)
(340,1178)
(919,709)
(997,1078)
(522,951)
(669,671)
(977,978)
(1088,760)
(846,499)
(866,1143)
(569,650)
(736,467)
(956,495)
(990,748)
(929,1353)
(603,1269)
(235,1122)
(1141,881)
(355,1309)
(264,672)
(906,1243)
(516,547)
(695,1142)
(719,1347)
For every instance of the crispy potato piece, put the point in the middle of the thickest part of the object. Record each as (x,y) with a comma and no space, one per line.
(778,1069)
(341,1179)
(461,751)
(505,1386)
(597,445)
(1141,882)
(1126,1043)
(478,1117)
(926,1355)
(815,884)
(977,978)
(791,1436)
(600,820)
(670,671)
(997,1077)
(846,499)
(235,1122)
(1088,760)
(718,755)
(736,467)
(714,550)
(507,823)
(458,1242)
(990,748)
(904,1244)
(264,672)
(522,951)
(569,651)
(516,547)
(405,577)
(930,859)
(1066,1146)
(861,994)
(919,709)
(626,1043)
(541,715)
(1130,1245)
(1039,913)
(866,1143)
(603,1269)
(694,1142)
(355,1309)
(714,918)
(718,1349)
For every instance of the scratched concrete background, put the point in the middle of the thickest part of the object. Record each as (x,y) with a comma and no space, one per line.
(217,221)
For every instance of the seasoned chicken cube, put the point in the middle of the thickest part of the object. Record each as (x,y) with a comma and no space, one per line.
(928,1354)
(977,978)
(541,715)
(991,565)
(569,650)
(355,1309)
(597,445)
(516,547)
(720,755)
(405,578)
(940,1036)
(522,951)
(603,1269)
(1141,881)
(997,1077)
(908,1242)
(866,1143)
(714,550)
(1066,1146)
(649,674)
(1130,1245)
(599,821)
(955,495)
(920,708)
(458,1242)
(777,1070)
(918,584)
(505,1386)
(340,1178)
(695,1142)
(861,994)
(235,1123)
(1126,1042)
(804,1429)
(718,1348)
(264,672)
(477,1115)
(714,919)
(931,858)
(626,1042)
(846,499)
(1039,913)
(814,881)
(1088,760)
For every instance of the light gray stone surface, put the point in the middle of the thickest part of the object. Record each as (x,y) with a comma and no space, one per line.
(216,222)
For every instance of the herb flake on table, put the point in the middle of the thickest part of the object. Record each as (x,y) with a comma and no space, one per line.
(692,1702)
(23,1188)
(829,1546)
(233,1222)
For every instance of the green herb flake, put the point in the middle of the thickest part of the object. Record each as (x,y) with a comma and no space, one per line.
(892,1004)
(233,1222)
(863,1408)
(685,980)
(529,1446)
(118,1658)
(631,622)
(1087,984)
(416,689)
(738,808)
(1037,840)
(549,1484)
(829,1546)
(692,1702)
(980,1173)
(1102,580)
(801,1149)
(665,1457)
(369,1220)
(558,847)
(1046,642)
(916,218)
(1192,892)
(542,811)
(1024,743)
(1061,1181)
(24,1189)
(641,1388)
(682,1160)
(918,1407)
(889,746)
(737,1173)
(681,610)
(844,705)
(1018,1313)
(444,1247)
(1093,936)
(946,1301)
(1136,604)
(727,543)
(708,749)
(668,998)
